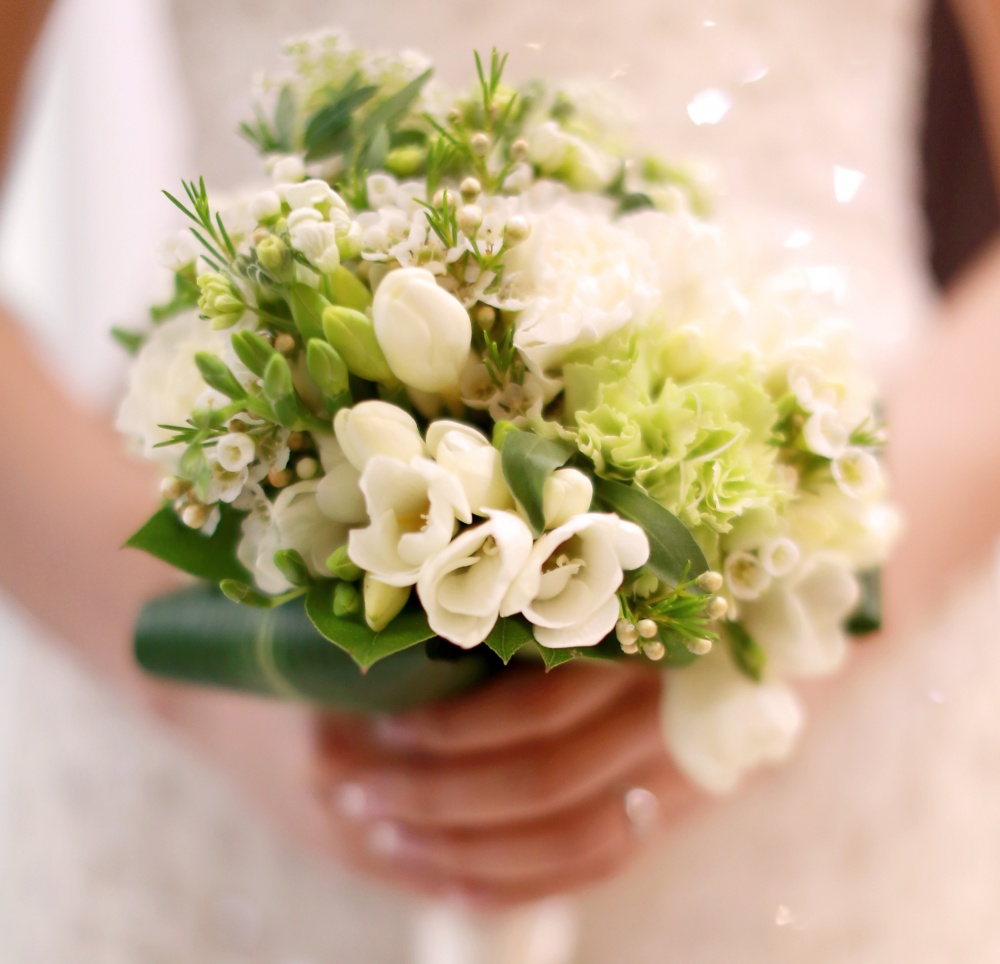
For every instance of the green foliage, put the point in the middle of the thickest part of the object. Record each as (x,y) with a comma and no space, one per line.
(508,636)
(674,554)
(365,646)
(220,250)
(218,376)
(327,370)
(131,341)
(528,460)
(747,653)
(185,297)
(253,350)
(210,557)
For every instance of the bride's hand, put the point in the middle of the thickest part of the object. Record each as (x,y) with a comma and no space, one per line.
(509,794)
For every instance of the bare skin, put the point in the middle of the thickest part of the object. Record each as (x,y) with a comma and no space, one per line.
(513,792)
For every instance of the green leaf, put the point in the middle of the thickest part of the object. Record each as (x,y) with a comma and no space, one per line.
(131,341)
(867,615)
(207,557)
(198,636)
(253,351)
(326,129)
(186,294)
(556,657)
(747,653)
(353,635)
(392,110)
(674,554)
(528,460)
(508,636)
(218,376)
(284,119)
(636,201)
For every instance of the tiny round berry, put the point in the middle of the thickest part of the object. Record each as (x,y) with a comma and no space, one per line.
(648,629)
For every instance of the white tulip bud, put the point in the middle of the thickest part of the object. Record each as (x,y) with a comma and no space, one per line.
(383,603)
(424,332)
(567,492)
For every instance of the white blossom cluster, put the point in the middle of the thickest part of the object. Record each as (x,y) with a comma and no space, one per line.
(365,339)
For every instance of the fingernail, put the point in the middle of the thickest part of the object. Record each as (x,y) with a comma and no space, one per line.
(389,840)
(354,800)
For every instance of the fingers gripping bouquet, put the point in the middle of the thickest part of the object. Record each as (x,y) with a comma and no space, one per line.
(470,381)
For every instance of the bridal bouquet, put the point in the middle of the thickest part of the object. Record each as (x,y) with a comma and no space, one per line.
(471,381)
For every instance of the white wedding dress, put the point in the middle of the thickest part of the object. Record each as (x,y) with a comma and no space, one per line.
(878,843)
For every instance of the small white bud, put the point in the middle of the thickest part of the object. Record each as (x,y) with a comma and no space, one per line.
(630,649)
(265,206)
(485,315)
(519,149)
(442,197)
(284,343)
(648,629)
(626,632)
(469,217)
(195,515)
(306,468)
(516,230)
(288,169)
(470,189)
(654,650)
(480,144)
(173,488)
(710,581)
(698,646)
(717,607)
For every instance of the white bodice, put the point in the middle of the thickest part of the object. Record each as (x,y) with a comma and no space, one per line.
(117,846)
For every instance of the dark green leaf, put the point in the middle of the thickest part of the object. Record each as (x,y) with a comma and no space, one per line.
(131,341)
(393,109)
(636,201)
(376,150)
(207,557)
(218,376)
(508,636)
(198,636)
(528,460)
(328,130)
(556,657)
(365,646)
(747,653)
(867,616)
(674,554)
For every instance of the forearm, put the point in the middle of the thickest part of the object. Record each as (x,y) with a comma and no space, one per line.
(71,496)
(945,444)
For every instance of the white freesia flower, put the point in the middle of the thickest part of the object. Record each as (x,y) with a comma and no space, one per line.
(295,521)
(799,621)
(461,588)
(339,491)
(825,433)
(718,724)
(311,194)
(265,205)
(288,169)
(424,332)
(315,238)
(382,189)
(582,277)
(567,493)
(235,451)
(858,473)
(377,428)
(469,456)
(567,588)
(165,386)
(413,510)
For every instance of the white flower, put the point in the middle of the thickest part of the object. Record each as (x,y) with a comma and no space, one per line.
(339,492)
(811,387)
(746,577)
(567,493)
(413,510)
(226,486)
(315,238)
(288,169)
(799,622)
(825,433)
(235,451)
(295,521)
(778,556)
(165,386)
(582,277)
(718,724)
(177,251)
(424,332)
(461,588)
(469,456)
(377,428)
(858,474)
(567,588)
(382,189)
(311,194)
(265,205)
